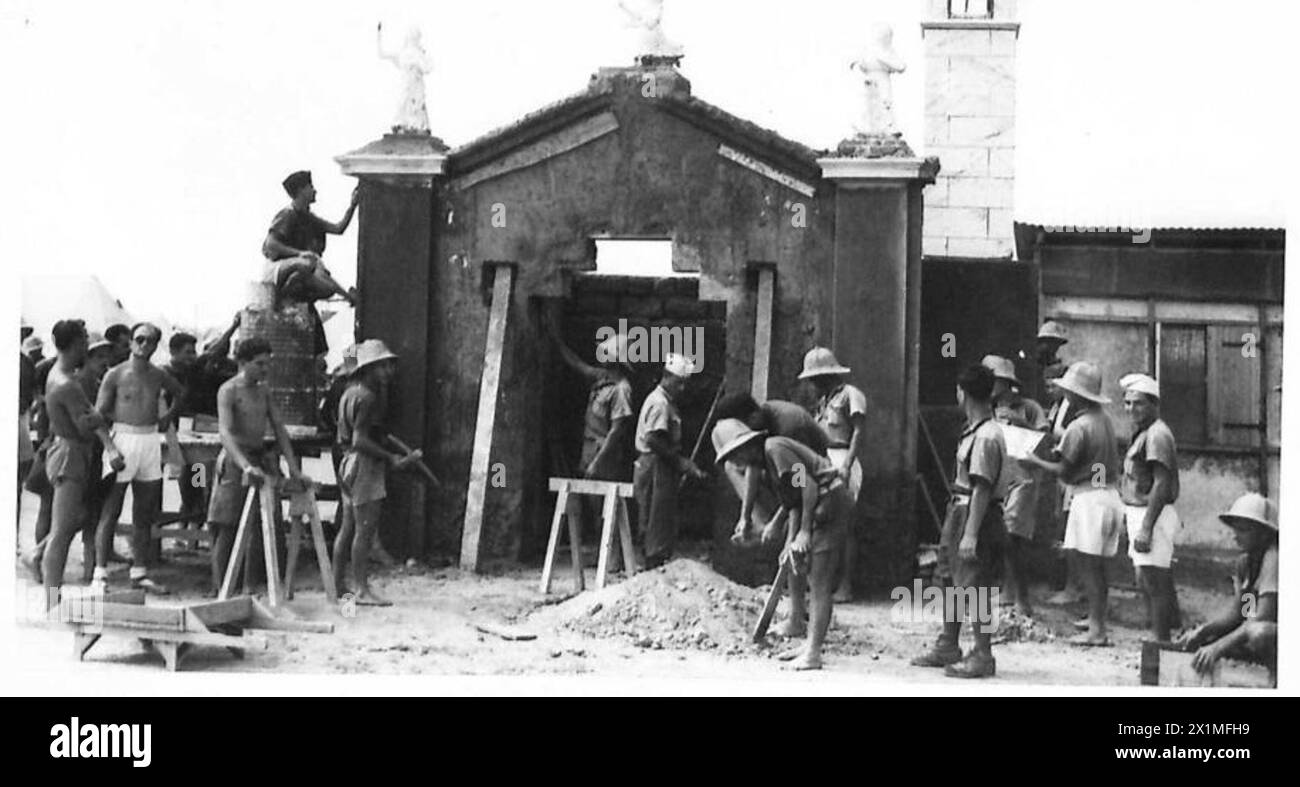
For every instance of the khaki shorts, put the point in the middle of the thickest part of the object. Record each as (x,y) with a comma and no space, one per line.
(1162,536)
(983,570)
(1093,524)
(362,478)
(226,505)
(70,460)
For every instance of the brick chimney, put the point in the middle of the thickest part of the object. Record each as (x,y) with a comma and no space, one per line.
(970,124)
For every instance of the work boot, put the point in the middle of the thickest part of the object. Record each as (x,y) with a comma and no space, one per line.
(942,654)
(975,665)
(149,586)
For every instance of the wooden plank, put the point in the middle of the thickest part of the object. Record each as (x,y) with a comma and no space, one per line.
(264,618)
(625,536)
(481,458)
(272,556)
(240,547)
(217,613)
(563,141)
(575,544)
(587,486)
(294,545)
(505,632)
(766,170)
(1175,669)
(553,543)
(109,615)
(763,334)
(607,516)
(773,598)
(322,552)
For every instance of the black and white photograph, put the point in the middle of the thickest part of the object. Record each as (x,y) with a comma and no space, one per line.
(647,347)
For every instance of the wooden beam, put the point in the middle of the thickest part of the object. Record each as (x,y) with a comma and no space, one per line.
(773,598)
(763,334)
(216,613)
(587,486)
(480,460)
(128,615)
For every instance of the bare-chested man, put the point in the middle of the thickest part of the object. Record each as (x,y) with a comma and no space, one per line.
(128,397)
(74,423)
(245,415)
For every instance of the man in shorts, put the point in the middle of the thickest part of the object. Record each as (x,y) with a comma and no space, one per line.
(842,412)
(1149,489)
(245,414)
(816,507)
(364,467)
(1089,466)
(974,536)
(1020,511)
(129,399)
(295,242)
(69,462)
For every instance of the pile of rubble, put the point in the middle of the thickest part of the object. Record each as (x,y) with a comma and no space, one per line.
(682,605)
(1015,627)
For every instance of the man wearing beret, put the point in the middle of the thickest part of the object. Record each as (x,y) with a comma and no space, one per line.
(295,242)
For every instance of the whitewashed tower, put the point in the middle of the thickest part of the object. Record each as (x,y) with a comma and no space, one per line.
(970,124)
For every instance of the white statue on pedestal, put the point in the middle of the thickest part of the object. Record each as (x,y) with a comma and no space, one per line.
(413,114)
(647,17)
(877,64)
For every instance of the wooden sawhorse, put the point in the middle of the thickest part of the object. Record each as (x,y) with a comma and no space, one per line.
(613,515)
(302,506)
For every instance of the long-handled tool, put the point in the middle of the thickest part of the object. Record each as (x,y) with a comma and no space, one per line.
(774,597)
(704,428)
(424,469)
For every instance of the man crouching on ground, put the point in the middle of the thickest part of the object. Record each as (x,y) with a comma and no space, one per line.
(974,535)
(363,467)
(245,410)
(818,506)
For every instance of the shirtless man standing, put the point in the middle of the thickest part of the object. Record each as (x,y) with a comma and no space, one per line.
(74,423)
(245,414)
(128,397)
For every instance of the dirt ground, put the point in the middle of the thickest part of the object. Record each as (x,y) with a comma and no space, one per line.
(681,621)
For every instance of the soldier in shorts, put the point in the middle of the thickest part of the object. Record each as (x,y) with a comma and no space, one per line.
(69,463)
(245,415)
(818,506)
(973,538)
(364,467)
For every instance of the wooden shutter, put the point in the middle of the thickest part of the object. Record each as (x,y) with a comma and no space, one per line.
(1232,384)
(1182,382)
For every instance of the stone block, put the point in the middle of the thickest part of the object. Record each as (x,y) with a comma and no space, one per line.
(957,42)
(979,192)
(1001,222)
(1002,162)
(936,130)
(984,248)
(933,245)
(936,194)
(962,161)
(996,132)
(965,222)
(1003,42)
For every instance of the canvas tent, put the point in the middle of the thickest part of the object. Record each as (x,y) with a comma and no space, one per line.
(48,299)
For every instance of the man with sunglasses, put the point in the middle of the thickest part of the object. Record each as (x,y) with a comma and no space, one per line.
(129,399)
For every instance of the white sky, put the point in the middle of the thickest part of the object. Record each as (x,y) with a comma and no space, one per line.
(145,141)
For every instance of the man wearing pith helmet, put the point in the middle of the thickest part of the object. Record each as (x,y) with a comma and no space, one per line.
(656,476)
(816,506)
(1247,628)
(1088,464)
(842,412)
(1149,488)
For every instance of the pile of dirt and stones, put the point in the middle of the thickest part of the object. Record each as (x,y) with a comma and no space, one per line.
(684,604)
(1013,626)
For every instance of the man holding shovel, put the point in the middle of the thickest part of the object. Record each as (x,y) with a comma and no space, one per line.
(817,505)
(364,467)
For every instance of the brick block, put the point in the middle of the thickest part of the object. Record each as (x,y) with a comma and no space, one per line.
(978,192)
(936,130)
(988,248)
(933,245)
(1001,222)
(962,161)
(1002,162)
(936,194)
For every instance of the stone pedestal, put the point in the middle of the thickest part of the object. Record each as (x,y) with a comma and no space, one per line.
(876,329)
(395,243)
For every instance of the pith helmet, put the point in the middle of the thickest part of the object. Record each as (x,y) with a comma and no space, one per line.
(1083,378)
(372,351)
(1002,368)
(820,361)
(1251,507)
(730,435)
(1053,330)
